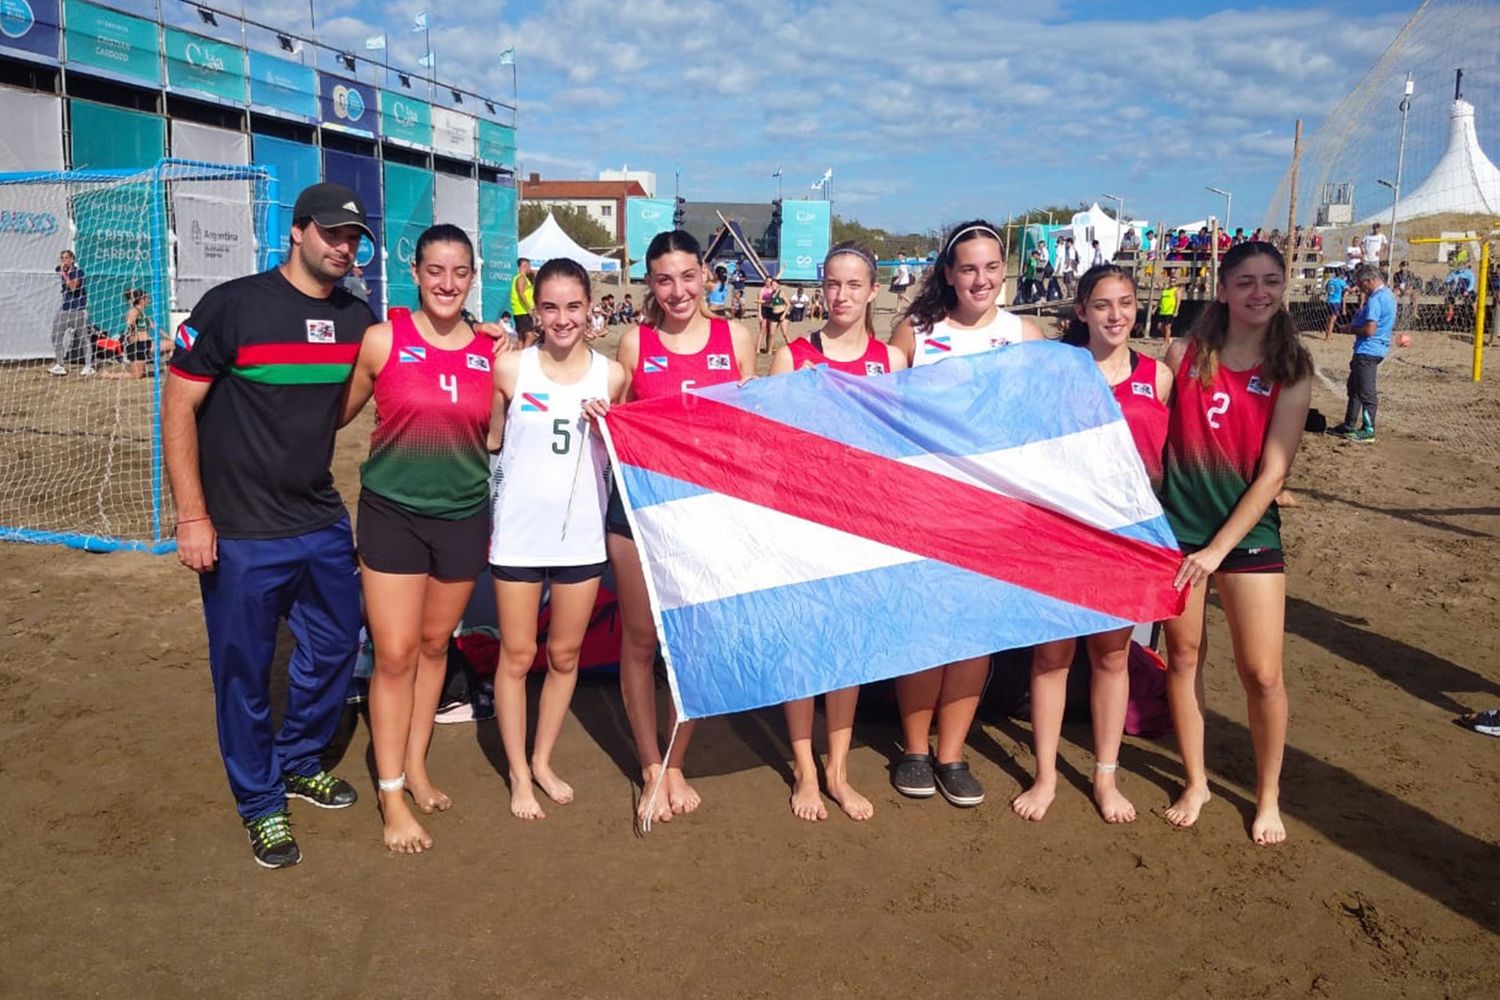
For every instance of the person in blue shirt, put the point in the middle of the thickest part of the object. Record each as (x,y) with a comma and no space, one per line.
(71,324)
(1335,287)
(1372,327)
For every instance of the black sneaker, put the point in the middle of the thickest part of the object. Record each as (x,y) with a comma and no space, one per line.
(957,785)
(321,789)
(271,841)
(913,776)
(1339,430)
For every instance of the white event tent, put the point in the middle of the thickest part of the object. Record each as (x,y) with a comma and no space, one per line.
(550,241)
(1464,181)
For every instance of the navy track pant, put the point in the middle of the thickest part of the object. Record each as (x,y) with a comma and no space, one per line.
(312,581)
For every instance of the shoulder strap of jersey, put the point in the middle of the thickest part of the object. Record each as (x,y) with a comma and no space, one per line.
(816,340)
(403,327)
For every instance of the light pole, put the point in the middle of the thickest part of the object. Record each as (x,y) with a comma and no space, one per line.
(1228,203)
(1400,162)
(1119,217)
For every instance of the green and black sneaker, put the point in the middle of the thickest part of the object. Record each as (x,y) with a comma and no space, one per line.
(321,789)
(271,841)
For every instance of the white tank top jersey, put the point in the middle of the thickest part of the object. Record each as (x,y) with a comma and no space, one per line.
(549,486)
(945,341)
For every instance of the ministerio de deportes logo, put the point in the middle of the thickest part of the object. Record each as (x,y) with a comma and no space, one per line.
(348,102)
(16,18)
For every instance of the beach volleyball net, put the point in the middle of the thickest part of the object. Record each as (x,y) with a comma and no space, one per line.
(83,354)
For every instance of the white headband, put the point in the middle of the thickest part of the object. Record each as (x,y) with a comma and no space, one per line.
(948,250)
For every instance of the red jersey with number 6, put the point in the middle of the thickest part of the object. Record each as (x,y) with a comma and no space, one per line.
(1215,437)
(660,372)
(1145,415)
(432,415)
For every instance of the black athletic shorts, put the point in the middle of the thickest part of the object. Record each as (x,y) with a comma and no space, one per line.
(139,350)
(524,324)
(615,521)
(392,539)
(548,574)
(1267,560)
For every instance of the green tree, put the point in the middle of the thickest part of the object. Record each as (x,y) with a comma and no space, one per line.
(885,245)
(576,222)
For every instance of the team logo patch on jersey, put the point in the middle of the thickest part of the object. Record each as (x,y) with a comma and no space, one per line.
(655,363)
(477,362)
(321,331)
(1258,387)
(533,402)
(941,344)
(1143,389)
(874,368)
(411,355)
(718,362)
(186,337)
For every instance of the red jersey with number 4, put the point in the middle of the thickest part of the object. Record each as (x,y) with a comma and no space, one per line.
(875,361)
(432,415)
(660,372)
(1145,415)
(1215,437)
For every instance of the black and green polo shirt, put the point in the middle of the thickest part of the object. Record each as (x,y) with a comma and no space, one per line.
(278,361)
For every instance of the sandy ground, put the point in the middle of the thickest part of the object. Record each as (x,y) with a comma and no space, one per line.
(127,874)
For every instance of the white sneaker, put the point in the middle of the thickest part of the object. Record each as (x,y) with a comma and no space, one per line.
(58,370)
(87,371)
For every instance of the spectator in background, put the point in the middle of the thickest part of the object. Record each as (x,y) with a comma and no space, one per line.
(1372,327)
(737,292)
(800,302)
(1334,288)
(627,307)
(354,283)
(1067,264)
(1149,243)
(1239,236)
(1098,260)
(72,320)
(718,293)
(1372,245)
(1354,254)
(901,281)
(1130,240)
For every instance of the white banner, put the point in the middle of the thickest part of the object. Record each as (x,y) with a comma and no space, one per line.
(456,201)
(213,220)
(34,230)
(453,133)
(30,131)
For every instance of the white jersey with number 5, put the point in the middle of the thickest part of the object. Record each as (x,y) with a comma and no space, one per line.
(549,484)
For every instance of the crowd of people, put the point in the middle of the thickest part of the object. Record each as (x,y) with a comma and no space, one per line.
(268,366)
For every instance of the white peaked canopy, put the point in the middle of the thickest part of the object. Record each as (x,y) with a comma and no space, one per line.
(1096,224)
(1464,180)
(550,241)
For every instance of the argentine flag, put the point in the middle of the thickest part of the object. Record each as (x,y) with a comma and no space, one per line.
(817,530)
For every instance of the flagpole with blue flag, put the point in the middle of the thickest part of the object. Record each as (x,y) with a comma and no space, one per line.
(419,23)
(508,58)
(380,43)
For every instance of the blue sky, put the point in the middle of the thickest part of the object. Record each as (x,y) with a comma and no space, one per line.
(927,110)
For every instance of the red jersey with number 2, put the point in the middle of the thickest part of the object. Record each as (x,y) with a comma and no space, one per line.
(660,372)
(1145,415)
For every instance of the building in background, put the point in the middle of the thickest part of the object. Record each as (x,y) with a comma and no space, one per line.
(603,200)
(645,178)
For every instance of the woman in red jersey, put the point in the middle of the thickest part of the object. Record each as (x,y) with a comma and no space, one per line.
(845,343)
(676,348)
(1243,384)
(1103,316)
(423,513)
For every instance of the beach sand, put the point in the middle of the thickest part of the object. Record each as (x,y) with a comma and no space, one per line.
(127,872)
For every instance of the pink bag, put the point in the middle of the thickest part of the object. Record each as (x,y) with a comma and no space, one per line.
(1146,711)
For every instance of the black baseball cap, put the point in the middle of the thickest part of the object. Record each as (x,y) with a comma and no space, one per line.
(332,205)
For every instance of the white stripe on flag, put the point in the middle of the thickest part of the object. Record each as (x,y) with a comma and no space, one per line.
(1093,476)
(754,548)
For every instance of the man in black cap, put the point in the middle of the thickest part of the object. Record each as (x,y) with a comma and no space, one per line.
(248,421)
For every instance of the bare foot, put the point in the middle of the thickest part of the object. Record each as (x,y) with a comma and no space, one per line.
(426,797)
(1032,804)
(1184,812)
(680,794)
(1267,827)
(661,809)
(1113,806)
(855,805)
(403,834)
(523,803)
(807,801)
(557,790)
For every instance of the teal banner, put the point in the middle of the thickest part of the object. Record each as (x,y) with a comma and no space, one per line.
(283,86)
(109,138)
(497,246)
(497,144)
(805,233)
(111,41)
(205,66)
(405,119)
(408,211)
(644,218)
(114,246)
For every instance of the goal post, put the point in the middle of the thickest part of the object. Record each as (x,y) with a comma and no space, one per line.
(97,267)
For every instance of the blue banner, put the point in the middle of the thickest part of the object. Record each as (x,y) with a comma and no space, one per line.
(30,26)
(347,105)
(362,173)
(204,66)
(805,233)
(282,86)
(644,219)
(297,164)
